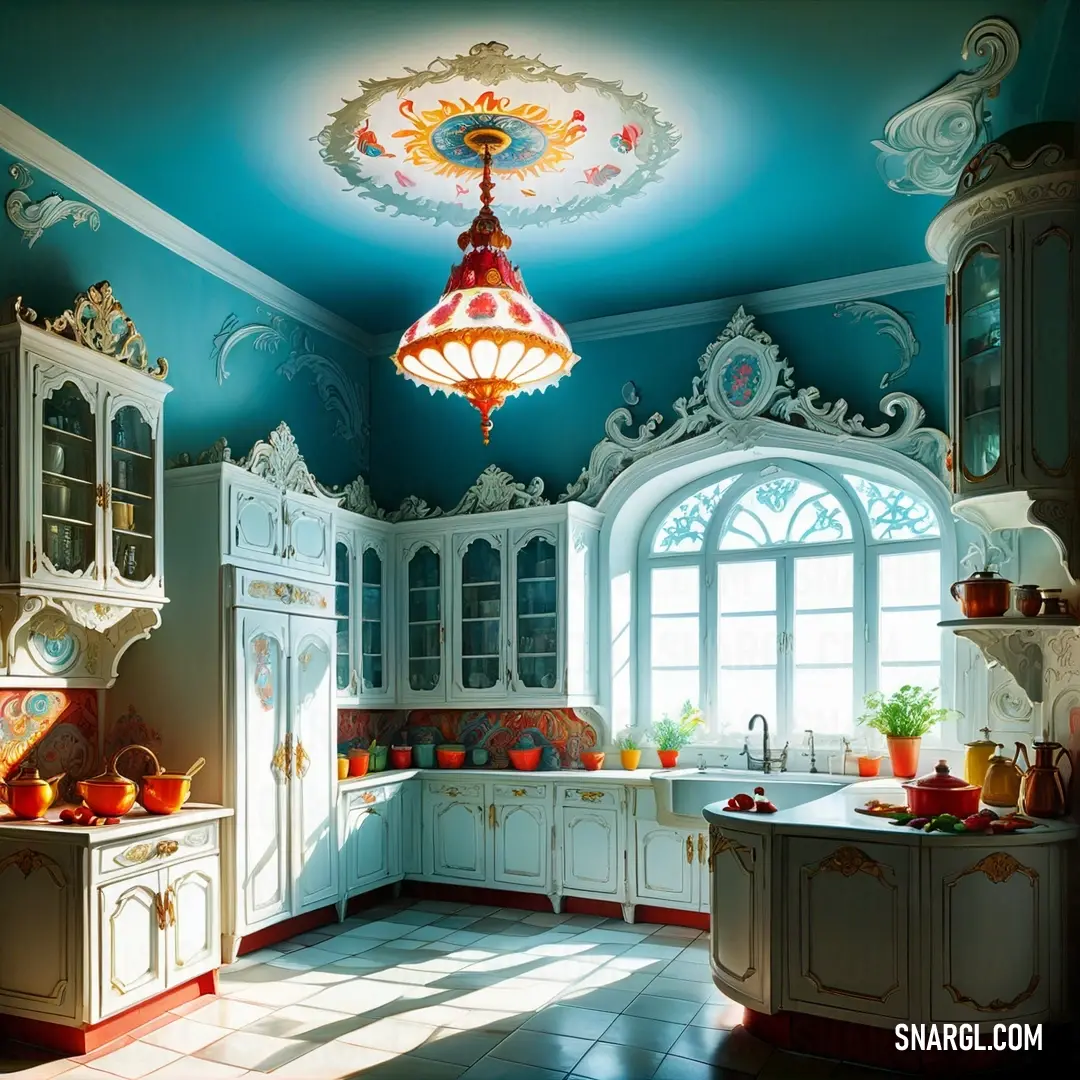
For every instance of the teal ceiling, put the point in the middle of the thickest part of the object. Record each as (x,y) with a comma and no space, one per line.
(762,112)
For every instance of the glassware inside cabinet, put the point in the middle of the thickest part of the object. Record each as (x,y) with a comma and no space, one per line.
(342,591)
(481,615)
(537,614)
(131,501)
(424,619)
(371,628)
(69,492)
(980,371)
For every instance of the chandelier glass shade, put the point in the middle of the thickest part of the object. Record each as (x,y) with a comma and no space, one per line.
(486,339)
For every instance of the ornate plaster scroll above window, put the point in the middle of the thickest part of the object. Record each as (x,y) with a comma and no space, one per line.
(337,391)
(890,324)
(743,390)
(927,145)
(278,461)
(97,321)
(35,217)
(494,489)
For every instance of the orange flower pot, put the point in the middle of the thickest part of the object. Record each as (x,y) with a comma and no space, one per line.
(630,759)
(358,762)
(904,755)
(669,758)
(592,760)
(869,766)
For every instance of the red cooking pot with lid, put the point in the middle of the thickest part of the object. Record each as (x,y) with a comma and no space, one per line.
(941,793)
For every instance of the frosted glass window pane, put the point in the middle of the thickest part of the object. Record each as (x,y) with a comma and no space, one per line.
(675,642)
(891,679)
(910,635)
(670,689)
(819,520)
(785,510)
(684,527)
(747,586)
(894,514)
(747,639)
(824,583)
(675,590)
(912,579)
(824,700)
(824,639)
(743,693)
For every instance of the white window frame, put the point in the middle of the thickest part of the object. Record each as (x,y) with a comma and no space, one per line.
(865,604)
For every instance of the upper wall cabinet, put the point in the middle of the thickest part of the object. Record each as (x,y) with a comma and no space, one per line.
(502,612)
(81,558)
(1009,237)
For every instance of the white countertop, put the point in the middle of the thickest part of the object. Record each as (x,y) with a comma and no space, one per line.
(837,812)
(560,776)
(135,823)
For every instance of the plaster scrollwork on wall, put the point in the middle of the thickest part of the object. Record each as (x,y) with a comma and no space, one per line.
(891,324)
(338,393)
(744,388)
(33,218)
(990,551)
(1020,653)
(1009,705)
(927,144)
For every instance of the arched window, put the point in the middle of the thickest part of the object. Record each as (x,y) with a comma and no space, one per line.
(789,590)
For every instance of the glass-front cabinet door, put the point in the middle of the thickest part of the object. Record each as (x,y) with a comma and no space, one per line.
(344,669)
(132,504)
(68,489)
(374,679)
(979,330)
(422,674)
(479,615)
(536,614)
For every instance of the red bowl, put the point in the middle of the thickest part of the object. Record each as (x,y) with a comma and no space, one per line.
(526,760)
(592,760)
(450,759)
(400,757)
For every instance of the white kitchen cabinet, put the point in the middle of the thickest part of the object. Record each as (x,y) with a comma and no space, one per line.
(409,799)
(479,646)
(668,871)
(369,840)
(256,524)
(455,821)
(81,466)
(422,608)
(270,527)
(591,830)
(522,838)
(309,530)
(150,921)
(849,925)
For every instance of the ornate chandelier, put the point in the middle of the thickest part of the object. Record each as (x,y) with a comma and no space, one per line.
(486,339)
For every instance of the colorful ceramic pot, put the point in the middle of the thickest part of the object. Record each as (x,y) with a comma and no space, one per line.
(941,793)
(592,760)
(630,759)
(526,760)
(27,794)
(668,758)
(904,756)
(358,762)
(423,755)
(450,757)
(400,757)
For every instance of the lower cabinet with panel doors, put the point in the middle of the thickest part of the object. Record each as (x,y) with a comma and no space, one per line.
(592,859)
(152,921)
(371,841)
(671,864)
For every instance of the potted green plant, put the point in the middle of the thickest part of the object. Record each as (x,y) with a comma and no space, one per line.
(629,751)
(903,717)
(670,736)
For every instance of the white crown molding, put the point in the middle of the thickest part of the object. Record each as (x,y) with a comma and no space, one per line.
(31,145)
(875,283)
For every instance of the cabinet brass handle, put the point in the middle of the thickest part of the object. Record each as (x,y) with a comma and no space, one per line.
(492,818)
(166,848)
(159,907)
(279,764)
(170,905)
(302,762)
(701,848)
(689,850)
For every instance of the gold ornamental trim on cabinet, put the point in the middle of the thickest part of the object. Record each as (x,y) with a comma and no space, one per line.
(718,843)
(850,861)
(999,867)
(590,796)
(517,792)
(367,796)
(27,861)
(287,593)
(140,853)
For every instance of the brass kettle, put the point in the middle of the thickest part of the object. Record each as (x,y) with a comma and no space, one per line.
(977,758)
(1001,784)
(1043,793)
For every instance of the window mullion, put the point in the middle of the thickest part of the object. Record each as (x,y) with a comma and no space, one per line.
(785,618)
(708,638)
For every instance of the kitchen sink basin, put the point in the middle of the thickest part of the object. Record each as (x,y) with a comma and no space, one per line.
(684,793)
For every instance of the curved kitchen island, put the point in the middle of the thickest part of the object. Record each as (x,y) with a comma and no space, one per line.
(820,911)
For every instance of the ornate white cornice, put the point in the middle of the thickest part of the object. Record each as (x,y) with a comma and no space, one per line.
(33,146)
(33,218)
(927,144)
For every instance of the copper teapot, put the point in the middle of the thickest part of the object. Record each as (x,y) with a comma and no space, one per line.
(1043,793)
(984,595)
(27,794)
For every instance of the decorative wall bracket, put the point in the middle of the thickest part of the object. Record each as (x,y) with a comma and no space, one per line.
(1019,651)
(927,145)
(35,217)
(891,324)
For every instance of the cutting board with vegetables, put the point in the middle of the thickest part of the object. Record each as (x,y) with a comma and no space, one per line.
(985,821)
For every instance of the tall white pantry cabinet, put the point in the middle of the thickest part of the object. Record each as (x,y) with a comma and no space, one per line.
(243,675)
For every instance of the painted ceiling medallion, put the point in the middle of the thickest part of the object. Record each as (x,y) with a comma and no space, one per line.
(927,145)
(486,339)
(571,144)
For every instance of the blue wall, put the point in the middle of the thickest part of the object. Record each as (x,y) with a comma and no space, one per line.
(178,308)
(431,446)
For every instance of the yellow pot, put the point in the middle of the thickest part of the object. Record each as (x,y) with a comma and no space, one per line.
(342,767)
(977,758)
(630,759)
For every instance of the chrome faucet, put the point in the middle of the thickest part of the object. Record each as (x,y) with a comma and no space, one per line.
(813,762)
(701,763)
(766,763)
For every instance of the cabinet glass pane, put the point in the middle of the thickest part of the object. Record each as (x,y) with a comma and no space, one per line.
(979,382)
(537,614)
(1051,304)
(132,510)
(424,603)
(481,615)
(68,479)
(343,666)
(371,635)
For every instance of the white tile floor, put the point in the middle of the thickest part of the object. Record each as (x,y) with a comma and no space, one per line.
(442,991)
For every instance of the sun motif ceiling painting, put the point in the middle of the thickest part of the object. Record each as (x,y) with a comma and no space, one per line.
(569,144)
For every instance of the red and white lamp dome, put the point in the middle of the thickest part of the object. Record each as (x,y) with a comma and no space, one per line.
(486,339)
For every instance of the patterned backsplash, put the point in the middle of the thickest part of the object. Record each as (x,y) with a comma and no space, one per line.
(561,732)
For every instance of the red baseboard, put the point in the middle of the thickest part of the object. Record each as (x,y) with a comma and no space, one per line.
(75,1041)
(871,1046)
(281,931)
